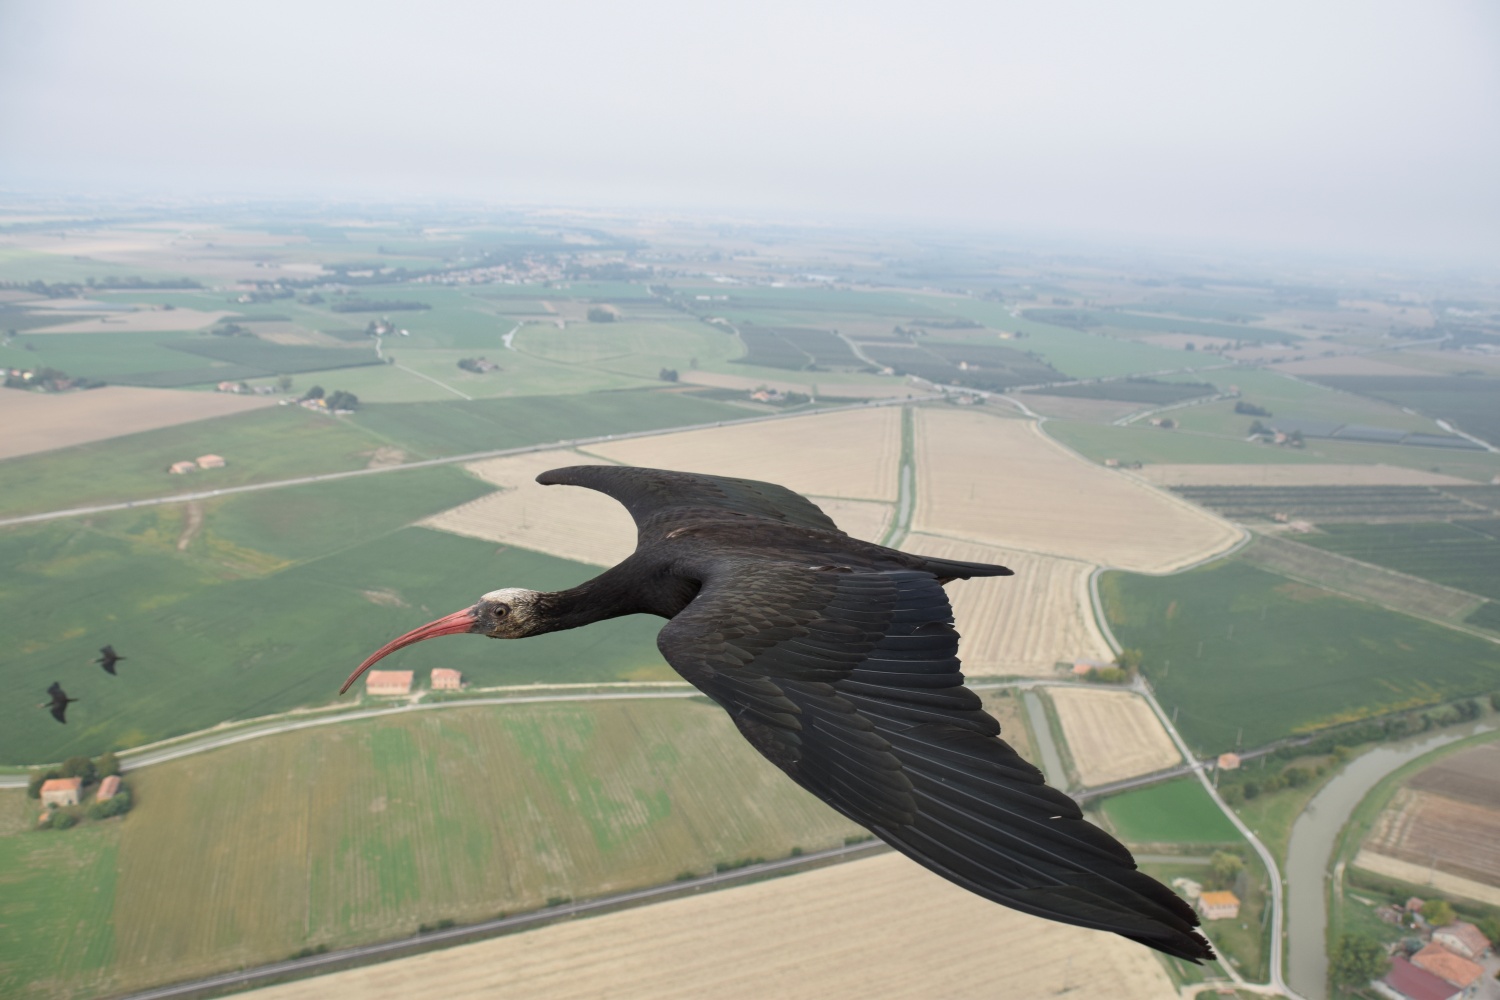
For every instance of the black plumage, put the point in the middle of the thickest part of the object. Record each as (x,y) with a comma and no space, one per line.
(108,658)
(60,702)
(837,660)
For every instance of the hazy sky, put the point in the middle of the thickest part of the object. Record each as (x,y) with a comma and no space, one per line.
(1331,125)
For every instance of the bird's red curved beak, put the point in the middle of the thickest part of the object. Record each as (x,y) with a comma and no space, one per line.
(454,624)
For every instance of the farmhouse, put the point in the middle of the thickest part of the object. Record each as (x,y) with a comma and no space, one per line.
(1462,938)
(61,791)
(210,461)
(108,787)
(1083,666)
(445,679)
(1407,982)
(181,468)
(388,682)
(1447,966)
(1229,761)
(1222,905)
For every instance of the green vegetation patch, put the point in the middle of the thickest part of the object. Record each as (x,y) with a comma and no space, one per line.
(1085,319)
(1173,812)
(1244,656)
(1463,554)
(1137,390)
(270,358)
(57,894)
(1468,401)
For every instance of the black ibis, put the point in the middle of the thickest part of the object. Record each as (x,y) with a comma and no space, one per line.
(108,658)
(60,702)
(837,659)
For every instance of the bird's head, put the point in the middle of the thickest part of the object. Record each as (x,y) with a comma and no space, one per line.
(511,613)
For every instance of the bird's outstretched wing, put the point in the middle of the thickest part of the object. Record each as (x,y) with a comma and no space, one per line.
(653,496)
(850,682)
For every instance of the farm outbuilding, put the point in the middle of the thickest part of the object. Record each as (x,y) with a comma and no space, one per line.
(1451,968)
(1222,905)
(388,682)
(446,679)
(1229,761)
(211,461)
(182,468)
(108,787)
(61,791)
(1407,982)
(1463,938)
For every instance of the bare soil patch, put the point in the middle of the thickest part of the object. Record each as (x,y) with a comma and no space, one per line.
(1112,734)
(36,421)
(1471,776)
(1436,831)
(1003,482)
(1293,475)
(1018,625)
(845,931)
(191,525)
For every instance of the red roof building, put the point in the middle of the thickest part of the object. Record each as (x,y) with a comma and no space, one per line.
(61,791)
(1222,905)
(388,682)
(1443,963)
(1462,938)
(108,787)
(1411,983)
(444,679)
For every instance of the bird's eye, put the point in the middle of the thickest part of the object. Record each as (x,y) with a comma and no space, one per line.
(501,610)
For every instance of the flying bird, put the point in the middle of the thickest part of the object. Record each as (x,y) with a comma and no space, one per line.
(108,658)
(60,702)
(837,659)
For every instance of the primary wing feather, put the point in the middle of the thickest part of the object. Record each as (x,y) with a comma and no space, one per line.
(850,682)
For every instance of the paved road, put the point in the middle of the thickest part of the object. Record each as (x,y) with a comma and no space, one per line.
(53,515)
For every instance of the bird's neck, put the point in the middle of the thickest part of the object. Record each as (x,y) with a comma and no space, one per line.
(623,590)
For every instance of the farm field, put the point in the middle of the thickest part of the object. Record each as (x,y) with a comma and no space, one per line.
(1467,401)
(870,389)
(1461,554)
(564,521)
(1112,735)
(1282,476)
(1332,504)
(1410,594)
(1141,391)
(1424,875)
(1229,646)
(969,486)
(852,454)
(1072,408)
(825,933)
(38,422)
(1176,811)
(1022,625)
(367,829)
(196,658)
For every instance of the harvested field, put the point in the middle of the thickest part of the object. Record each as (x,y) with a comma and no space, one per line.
(851,930)
(1410,594)
(1435,831)
(564,521)
(1423,874)
(1005,483)
(889,389)
(118,321)
(1471,776)
(860,518)
(1294,475)
(1348,364)
(1025,624)
(38,421)
(1112,735)
(853,454)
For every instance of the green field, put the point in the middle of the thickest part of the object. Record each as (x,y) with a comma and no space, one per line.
(275,598)
(1141,323)
(1468,401)
(364,831)
(1152,445)
(1462,554)
(1288,398)
(1173,812)
(1236,651)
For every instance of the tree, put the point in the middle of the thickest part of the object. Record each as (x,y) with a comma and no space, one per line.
(38,779)
(1296,776)
(107,764)
(1438,912)
(1495,701)
(284,383)
(667,374)
(1356,959)
(1226,867)
(316,392)
(79,767)
(341,400)
(598,314)
(62,820)
(1252,789)
(1130,659)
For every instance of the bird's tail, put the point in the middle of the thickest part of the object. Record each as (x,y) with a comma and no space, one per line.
(954,569)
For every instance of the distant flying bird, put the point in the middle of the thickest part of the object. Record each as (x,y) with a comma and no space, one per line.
(837,659)
(60,702)
(108,658)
